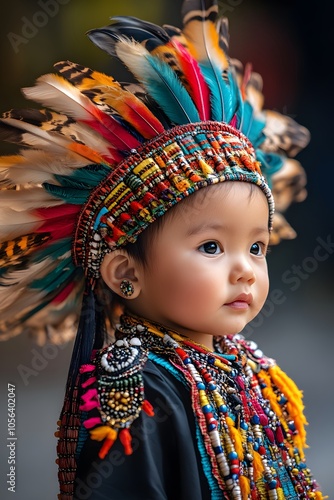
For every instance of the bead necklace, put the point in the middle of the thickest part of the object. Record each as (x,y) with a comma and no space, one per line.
(250,450)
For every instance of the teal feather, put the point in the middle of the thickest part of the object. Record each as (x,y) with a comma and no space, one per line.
(71,195)
(218,98)
(252,127)
(53,280)
(54,250)
(86,177)
(41,305)
(237,101)
(165,87)
(270,163)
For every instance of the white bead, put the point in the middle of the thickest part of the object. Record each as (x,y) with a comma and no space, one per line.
(135,341)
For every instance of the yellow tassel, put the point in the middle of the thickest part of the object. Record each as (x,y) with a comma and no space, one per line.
(103,432)
(294,406)
(280,494)
(206,169)
(319,496)
(269,393)
(261,490)
(244,487)
(258,466)
(236,438)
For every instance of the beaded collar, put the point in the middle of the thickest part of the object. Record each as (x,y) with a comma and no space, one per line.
(251,411)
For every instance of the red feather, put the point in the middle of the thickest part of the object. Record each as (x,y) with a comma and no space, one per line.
(111,130)
(198,88)
(65,292)
(58,221)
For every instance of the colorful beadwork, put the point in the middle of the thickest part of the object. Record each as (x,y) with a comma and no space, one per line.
(127,288)
(119,394)
(253,448)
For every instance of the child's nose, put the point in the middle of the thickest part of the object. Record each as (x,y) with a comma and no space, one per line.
(242,270)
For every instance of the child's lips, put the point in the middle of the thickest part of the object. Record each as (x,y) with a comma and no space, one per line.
(242,301)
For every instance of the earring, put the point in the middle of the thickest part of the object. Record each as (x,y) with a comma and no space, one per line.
(127,288)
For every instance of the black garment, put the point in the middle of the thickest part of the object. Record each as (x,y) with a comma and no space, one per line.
(165,464)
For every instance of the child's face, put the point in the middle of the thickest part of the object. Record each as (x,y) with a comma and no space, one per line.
(207,271)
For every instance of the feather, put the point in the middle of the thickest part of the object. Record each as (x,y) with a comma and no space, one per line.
(22,307)
(38,166)
(18,280)
(26,199)
(55,92)
(160,81)
(57,220)
(76,195)
(20,132)
(15,251)
(20,223)
(85,178)
(222,29)
(63,125)
(252,126)
(107,91)
(28,300)
(284,134)
(53,279)
(197,86)
(11,131)
(199,29)
(54,250)
(130,27)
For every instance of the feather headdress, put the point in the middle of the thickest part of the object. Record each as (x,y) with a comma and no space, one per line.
(91,129)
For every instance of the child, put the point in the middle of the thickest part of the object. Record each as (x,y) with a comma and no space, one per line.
(156,192)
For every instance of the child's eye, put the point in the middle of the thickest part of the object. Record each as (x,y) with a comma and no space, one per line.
(258,249)
(210,247)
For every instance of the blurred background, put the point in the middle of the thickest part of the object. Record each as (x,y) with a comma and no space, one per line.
(290,44)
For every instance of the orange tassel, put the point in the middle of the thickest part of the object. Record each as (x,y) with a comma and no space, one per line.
(105,448)
(148,408)
(126,439)
(244,487)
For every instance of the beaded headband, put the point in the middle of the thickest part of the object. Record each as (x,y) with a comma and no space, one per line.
(156,177)
(103,159)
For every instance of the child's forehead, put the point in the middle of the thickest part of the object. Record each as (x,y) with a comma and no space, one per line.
(205,204)
(220,193)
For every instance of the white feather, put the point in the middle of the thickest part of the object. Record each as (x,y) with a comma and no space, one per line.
(57,93)
(26,199)
(14,224)
(36,135)
(22,305)
(14,283)
(38,166)
(133,55)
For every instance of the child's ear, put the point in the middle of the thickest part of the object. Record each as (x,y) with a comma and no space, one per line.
(118,268)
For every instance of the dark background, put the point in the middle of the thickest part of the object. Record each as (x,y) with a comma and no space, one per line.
(290,44)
